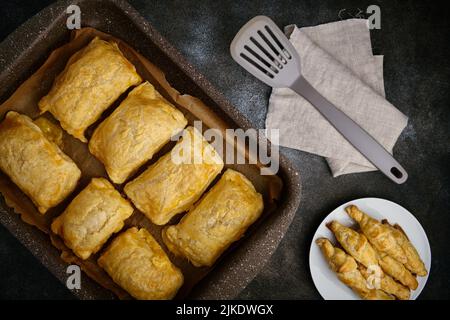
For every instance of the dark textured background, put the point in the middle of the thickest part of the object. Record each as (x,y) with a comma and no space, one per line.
(414,39)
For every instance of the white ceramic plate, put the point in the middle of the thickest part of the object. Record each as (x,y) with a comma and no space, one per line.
(326,281)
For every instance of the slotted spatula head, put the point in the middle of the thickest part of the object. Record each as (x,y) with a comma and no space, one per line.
(262,49)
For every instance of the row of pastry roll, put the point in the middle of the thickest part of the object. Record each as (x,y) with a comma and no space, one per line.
(30,155)
(379,246)
(134,259)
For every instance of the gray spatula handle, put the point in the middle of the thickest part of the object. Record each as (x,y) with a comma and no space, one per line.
(357,136)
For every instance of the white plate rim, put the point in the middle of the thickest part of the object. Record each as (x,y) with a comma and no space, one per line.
(426,256)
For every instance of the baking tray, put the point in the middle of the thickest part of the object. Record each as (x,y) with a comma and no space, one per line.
(27,48)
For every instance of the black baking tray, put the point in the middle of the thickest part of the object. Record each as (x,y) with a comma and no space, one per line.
(21,54)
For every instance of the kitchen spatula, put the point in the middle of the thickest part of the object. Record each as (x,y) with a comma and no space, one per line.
(262,49)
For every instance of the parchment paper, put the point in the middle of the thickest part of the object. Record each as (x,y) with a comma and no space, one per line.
(25,99)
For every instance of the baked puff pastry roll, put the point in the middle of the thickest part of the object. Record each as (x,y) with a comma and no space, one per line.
(379,235)
(92,217)
(359,247)
(413,261)
(34,163)
(172,184)
(135,131)
(397,271)
(137,263)
(355,244)
(347,271)
(217,220)
(92,80)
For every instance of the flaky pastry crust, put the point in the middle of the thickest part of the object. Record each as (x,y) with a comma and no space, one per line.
(34,163)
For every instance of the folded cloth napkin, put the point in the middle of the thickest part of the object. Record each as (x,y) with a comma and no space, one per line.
(336,58)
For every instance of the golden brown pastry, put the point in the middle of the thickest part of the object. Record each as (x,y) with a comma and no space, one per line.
(92,217)
(355,244)
(92,80)
(388,285)
(136,262)
(53,132)
(379,235)
(35,164)
(347,271)
(135,131)
(217,220)
(413,261)
(171,186)
(377,295)
(397,271)
(359,247)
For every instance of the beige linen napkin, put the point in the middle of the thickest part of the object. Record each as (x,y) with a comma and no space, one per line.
(336,58)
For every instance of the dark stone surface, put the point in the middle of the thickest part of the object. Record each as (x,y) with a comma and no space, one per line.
(414,38)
